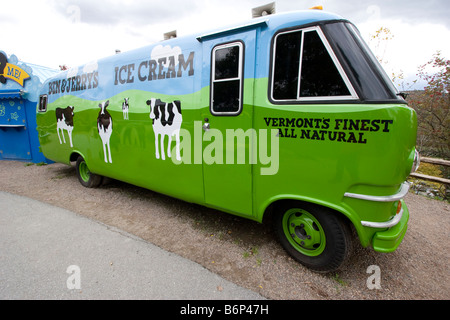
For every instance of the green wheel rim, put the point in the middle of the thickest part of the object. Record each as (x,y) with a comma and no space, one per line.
(304,232)
(83,169)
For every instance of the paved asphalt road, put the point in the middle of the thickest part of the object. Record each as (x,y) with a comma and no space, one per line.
(50,253)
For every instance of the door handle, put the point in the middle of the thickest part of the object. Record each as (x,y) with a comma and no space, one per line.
(206,126)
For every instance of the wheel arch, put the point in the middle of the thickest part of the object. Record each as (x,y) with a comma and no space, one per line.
(85,176)
(269,207)
(74,156)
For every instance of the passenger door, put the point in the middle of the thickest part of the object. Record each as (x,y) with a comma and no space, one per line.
(227,123)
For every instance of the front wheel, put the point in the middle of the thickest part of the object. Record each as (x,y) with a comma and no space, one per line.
(85,176)
(314,236)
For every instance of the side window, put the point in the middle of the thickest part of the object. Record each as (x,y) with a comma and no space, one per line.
(226,79)
(287,64)
(306,69)
(42,103)
(320,76)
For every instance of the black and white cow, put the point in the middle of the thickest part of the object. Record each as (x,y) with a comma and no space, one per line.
(64,121)
(125,107)
(167,121)
(104,126)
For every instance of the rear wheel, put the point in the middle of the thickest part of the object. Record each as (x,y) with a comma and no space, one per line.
(85,176)
(314,236)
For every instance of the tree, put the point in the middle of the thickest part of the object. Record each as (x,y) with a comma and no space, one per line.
(433,107)
(380,42)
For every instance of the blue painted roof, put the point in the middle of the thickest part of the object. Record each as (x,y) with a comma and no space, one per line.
(277,21)
(43,73)
(106,72)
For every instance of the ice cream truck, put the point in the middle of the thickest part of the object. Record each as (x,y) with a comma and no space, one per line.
(286,119)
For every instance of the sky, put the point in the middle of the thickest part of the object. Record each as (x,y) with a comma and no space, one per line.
(70,32)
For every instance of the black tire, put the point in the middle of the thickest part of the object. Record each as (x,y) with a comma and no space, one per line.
(87,178)
(315,236)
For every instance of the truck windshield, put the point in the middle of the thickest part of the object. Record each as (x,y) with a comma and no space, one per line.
(363,69)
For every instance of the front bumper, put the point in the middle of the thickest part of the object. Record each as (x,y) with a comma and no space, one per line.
(385,236)
(389,240)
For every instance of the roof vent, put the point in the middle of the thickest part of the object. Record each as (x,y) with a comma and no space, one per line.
(170,35)
(264,10)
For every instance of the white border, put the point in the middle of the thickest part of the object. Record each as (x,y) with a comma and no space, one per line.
(239,77)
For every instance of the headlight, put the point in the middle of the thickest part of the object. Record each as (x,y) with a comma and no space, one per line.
(416,162)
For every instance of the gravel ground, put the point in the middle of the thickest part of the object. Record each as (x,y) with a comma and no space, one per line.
(246,252)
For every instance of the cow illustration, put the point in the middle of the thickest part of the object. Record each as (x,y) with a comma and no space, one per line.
(104,126)
(125,107)
(167,121)
(64,121)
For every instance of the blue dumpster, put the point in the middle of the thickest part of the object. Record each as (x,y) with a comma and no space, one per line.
(19,93)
